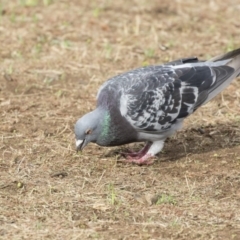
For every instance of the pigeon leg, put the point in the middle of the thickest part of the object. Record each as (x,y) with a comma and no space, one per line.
(146,159)
(139,154)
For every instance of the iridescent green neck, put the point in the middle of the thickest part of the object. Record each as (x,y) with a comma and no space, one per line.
(106,125)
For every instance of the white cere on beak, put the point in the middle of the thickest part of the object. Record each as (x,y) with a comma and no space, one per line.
(78,142)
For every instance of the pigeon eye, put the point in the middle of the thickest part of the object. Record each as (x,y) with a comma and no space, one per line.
(88,131)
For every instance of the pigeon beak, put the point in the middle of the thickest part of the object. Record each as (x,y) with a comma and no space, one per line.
(80,144)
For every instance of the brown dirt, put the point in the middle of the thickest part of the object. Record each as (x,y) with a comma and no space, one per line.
(54,56)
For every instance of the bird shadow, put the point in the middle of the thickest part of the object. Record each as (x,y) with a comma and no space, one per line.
(191,141)
(210,138)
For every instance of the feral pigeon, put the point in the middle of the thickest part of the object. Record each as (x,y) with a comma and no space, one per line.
(149,104)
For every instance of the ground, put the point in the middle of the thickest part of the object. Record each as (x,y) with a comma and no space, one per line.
(54,57)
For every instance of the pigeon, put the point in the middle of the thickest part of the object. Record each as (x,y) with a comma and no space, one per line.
(149,104)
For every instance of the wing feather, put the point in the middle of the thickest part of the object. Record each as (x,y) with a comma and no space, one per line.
(153,98)
(156,102)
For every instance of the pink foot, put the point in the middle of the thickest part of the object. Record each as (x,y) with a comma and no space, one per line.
(143,160)
(139,154)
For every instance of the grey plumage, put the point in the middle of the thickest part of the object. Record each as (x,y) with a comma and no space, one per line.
(150,103)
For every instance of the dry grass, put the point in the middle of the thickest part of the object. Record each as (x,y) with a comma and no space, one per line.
(54,56)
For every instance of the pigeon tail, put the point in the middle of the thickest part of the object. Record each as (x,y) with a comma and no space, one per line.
(230,61)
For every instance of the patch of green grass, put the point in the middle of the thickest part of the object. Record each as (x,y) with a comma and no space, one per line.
(145,63)
(34,3)
(212,28)
(48,80)
(112,194)
(150,53)
(37,49)
(47,2)
(230,45)
(66,44)
(208,56)
(96,12)
(166,199)
(29,3)
(9,70)
(39,225)
(95,235)
(108,50)
(35,18)
(13,18)
(59,93)
(175,223)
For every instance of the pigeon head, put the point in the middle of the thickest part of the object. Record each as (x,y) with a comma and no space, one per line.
(87,129)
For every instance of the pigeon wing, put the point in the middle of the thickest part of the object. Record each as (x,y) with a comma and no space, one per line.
(171,93)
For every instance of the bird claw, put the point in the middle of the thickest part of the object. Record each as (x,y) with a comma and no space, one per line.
(145,160)
(137,155)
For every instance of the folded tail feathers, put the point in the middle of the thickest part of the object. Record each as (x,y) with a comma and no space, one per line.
(230,59)
(226,56)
